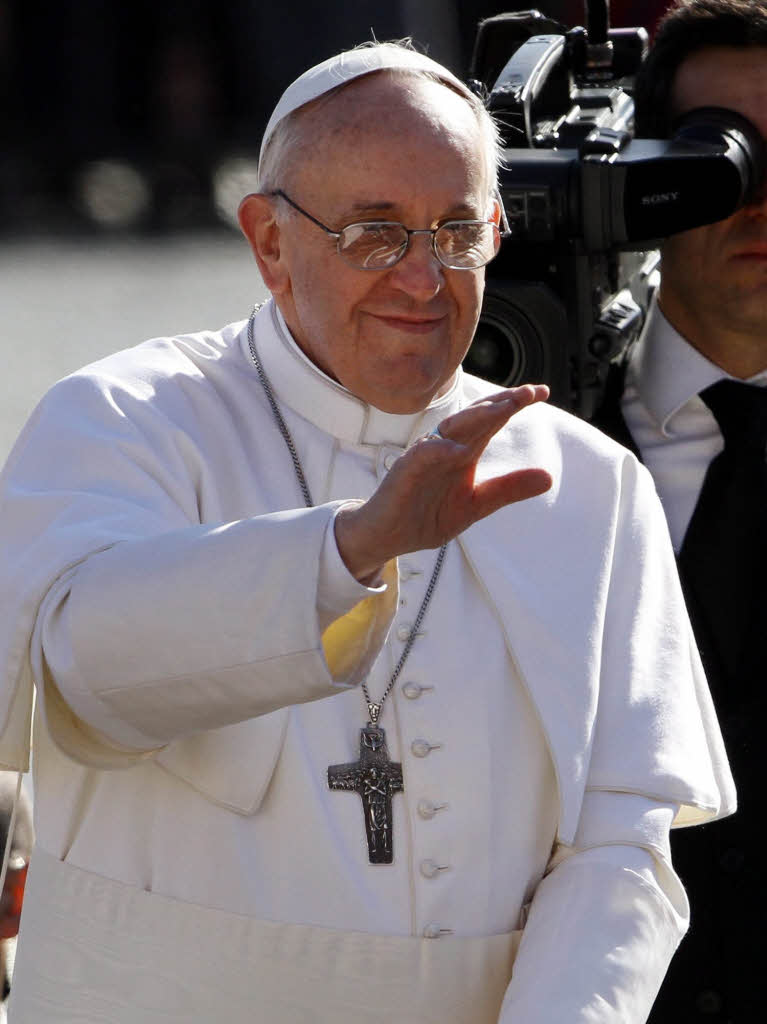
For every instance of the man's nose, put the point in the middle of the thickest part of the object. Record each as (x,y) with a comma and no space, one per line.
(419,272)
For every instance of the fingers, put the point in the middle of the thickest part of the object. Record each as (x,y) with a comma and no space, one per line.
(493,494)
(525,393)
(431,495)
(479,421)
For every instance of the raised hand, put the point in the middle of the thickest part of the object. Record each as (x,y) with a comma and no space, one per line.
(430,495)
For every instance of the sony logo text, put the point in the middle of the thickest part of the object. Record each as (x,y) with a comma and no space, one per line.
(660,197)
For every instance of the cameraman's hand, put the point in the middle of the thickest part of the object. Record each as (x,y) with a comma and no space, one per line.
(430,496)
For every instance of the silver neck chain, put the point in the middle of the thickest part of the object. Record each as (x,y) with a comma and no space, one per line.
(374,707)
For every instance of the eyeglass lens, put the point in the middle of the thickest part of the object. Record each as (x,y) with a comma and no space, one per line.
(460,245)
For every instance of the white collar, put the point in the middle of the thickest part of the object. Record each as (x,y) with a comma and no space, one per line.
(302,386)
(668,371)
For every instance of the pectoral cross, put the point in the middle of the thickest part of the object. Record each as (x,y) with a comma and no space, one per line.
(375,778)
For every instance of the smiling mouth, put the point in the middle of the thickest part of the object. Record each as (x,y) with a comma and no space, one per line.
(411,325)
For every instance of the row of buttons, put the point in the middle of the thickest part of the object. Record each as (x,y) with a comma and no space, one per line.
(425,808)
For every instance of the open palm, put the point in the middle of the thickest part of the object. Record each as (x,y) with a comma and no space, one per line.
(430,494)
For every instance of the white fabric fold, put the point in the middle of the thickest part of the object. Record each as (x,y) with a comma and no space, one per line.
(158,959)
(605,931)
(587,619)
(195,683)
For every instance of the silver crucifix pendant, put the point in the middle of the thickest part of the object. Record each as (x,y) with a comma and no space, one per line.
(376,779)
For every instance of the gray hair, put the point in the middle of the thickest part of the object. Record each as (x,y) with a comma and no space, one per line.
(288,137)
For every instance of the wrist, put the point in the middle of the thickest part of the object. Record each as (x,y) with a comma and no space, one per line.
(356,546)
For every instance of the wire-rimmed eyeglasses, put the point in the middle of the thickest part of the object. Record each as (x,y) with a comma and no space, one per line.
(379,244)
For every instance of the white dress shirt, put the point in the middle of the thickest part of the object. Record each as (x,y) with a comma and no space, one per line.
(672,426)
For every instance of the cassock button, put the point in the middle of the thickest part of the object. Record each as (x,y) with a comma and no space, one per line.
(433,931)
(427,809)
(404,631)
(422,748)
(430,868)
(414,690)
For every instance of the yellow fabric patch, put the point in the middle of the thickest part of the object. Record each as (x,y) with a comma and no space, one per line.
(346,640)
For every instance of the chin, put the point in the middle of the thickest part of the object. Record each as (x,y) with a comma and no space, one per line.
(403,399)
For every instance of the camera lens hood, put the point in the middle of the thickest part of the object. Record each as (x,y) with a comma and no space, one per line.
(738,136)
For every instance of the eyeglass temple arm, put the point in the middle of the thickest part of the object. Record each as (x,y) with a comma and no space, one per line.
(505,229)
(289,201)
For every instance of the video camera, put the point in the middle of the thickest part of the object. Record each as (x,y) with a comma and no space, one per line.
(586,202)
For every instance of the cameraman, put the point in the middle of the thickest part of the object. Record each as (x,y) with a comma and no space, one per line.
(709,328)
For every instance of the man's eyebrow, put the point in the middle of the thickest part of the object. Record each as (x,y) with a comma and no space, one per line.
(369,207)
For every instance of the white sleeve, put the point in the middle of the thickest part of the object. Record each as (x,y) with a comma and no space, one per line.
(199,628)
(337,590)
(603,925)
(140,615)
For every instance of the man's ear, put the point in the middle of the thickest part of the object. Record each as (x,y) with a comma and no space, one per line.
(259,225)
(495,211)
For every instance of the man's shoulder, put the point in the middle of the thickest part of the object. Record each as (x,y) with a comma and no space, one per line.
(192,354)
(156,373)
(187,383)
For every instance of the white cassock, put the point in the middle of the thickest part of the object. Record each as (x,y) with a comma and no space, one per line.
(191,861)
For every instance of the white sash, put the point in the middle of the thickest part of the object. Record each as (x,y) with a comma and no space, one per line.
(99,951)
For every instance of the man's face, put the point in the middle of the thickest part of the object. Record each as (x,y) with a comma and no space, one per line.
(714,278)
(393,337)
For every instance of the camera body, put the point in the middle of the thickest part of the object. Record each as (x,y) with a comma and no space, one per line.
(587,203)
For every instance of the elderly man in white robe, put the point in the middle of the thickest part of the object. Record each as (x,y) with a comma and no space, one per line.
(365,690)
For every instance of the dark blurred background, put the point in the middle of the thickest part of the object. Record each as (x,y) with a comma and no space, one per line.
(147,115)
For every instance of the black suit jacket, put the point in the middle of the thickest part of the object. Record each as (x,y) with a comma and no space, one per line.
(716,975)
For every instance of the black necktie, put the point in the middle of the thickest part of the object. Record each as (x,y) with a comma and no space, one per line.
(723,560)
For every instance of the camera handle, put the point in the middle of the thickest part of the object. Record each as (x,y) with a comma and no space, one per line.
(526,75)
(597,17)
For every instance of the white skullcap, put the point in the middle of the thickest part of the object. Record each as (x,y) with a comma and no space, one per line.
(351,64)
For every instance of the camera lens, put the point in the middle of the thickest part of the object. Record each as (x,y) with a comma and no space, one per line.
(507,349)
(494,355)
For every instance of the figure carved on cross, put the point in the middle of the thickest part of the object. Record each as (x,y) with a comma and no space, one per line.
(376,779)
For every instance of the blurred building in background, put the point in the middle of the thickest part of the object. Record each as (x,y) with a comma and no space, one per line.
(148,115)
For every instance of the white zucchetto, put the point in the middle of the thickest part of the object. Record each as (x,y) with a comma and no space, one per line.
(350,64)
